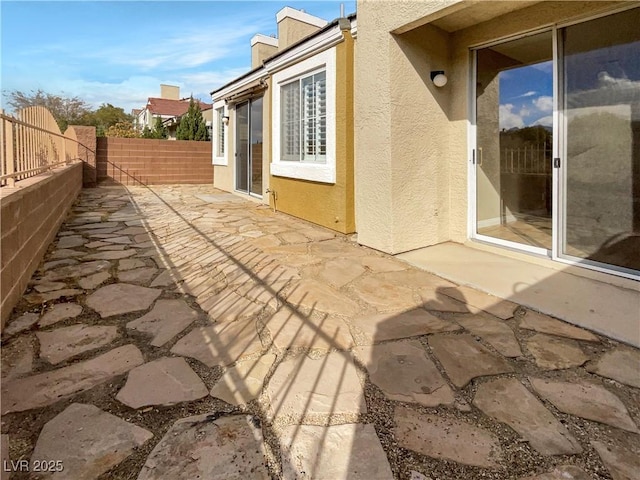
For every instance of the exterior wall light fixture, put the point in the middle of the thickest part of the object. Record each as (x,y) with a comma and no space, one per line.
(225,120)
(438,78)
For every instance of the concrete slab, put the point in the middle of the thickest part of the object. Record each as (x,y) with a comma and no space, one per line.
(599,302)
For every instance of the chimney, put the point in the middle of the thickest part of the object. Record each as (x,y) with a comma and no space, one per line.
(294,25)
(169,92)
(262,47)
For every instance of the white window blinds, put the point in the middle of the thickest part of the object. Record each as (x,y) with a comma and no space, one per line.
(304,119)
(220,132)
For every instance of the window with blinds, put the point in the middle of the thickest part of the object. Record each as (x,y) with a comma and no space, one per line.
(303,117)
(220,132)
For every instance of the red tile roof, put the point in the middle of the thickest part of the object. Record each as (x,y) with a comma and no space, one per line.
(175,108)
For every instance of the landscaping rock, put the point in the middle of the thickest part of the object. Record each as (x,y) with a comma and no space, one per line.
(165,381)
(446,438)
(87,441)
(207,447)
(545,324)
(508,401)
(243,382)
(464,359)
(50,387)
(59,312)
(166,320)
(333,452)
(621,364)
(553,353)
(63,343)
(119,298)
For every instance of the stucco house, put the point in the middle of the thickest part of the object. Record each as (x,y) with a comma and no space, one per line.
(169,107)
(466,135)
(283,132)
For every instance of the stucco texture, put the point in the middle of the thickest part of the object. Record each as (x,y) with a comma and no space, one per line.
(412,151)
(329,205)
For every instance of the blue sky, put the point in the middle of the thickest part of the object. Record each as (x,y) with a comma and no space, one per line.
(526,96)
(119,52)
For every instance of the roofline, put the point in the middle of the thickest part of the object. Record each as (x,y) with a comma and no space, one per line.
(327,27)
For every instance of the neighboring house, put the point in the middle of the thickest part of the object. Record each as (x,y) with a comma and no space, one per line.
(169,107)
(283,132)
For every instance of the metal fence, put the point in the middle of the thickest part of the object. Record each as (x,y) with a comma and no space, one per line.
(528,159)
(31,143)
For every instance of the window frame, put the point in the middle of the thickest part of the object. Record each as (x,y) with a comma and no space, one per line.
(324,172)
(215,138)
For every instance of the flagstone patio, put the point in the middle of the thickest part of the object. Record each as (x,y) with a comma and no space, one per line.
(181,332)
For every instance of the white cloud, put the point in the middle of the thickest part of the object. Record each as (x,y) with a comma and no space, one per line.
(530,93)
(509,119)
(543,103)
(544,121)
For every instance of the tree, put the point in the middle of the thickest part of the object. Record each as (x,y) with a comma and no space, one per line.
(122,130)
(159,131)
(104,117)
(66,110)
(192,124)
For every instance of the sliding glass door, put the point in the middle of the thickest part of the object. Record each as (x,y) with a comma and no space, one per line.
(514,135)
(601,123)
(557,143)
(249,146)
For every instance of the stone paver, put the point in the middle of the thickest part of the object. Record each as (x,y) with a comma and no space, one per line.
(119,298)
(75,271)
(59,312)
(392,326)
(546,324)
(312,295)
(137,275)
(493,331)
(338,272)
(446,438)
(63,343)
(495,306)
(292,329)
(111,255)
(322,340)
(404,373)
(203,447)
(165,381)
(221,344)
(622,463)
(92,281)
(17,358)
(22,323)
(166,320)
(384,295)
(553,353)
(464,359)
(130,264)
(586,400)
(621,364)
(435,300)
(71,241)
(326,386)
(228,306)
(49,387)
(87,441)
(4,456)
(318,452)
(563,472)
(508,401)
(44,287)
(49,296)
(243,382)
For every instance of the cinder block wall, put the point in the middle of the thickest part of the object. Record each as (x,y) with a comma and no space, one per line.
(140,161)
(30,216)
(87,153)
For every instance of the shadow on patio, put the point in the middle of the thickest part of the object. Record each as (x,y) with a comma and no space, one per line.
(307,356)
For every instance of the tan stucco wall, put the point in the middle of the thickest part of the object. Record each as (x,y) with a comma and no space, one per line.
(223,174)
(291,30)
(260,52)
(412,161)
(329,205)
